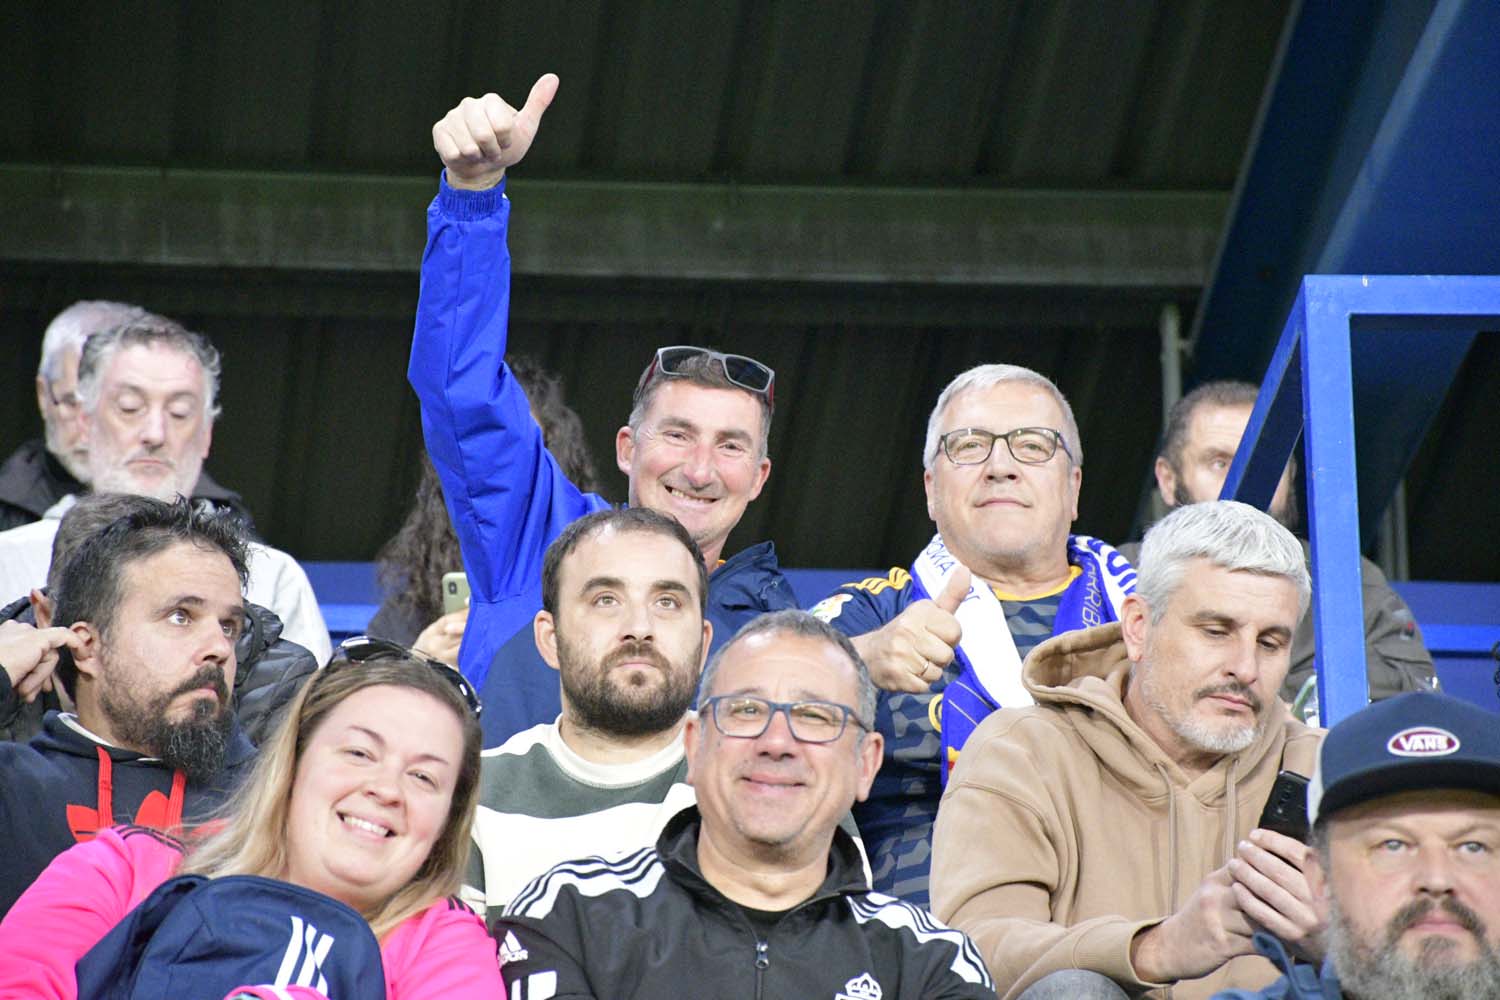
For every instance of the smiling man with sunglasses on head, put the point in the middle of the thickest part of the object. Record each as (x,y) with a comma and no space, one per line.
(694,447)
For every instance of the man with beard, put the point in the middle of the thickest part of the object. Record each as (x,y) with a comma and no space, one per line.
(1202,434)
(154,605)
(1405,811)
(148,397)
(622,622)
(44,470)
(1101,843)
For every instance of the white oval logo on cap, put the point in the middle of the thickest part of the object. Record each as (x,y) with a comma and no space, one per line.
(1422,741)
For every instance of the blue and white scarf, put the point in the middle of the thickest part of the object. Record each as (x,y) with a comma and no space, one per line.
(989,666)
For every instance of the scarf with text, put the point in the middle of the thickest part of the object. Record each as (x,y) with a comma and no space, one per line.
(989,666)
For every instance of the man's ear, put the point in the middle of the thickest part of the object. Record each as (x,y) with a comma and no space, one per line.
(1166,481)
(1135,620)
(88,659)
(690,739)
(624,449)
(41,607)
(871,753)
(544,631)
(708,640)
(1317,881)
(41,396)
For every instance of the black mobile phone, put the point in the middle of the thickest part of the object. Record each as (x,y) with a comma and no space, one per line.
(1286,808)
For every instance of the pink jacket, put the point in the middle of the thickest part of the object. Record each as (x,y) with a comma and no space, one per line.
(442,952)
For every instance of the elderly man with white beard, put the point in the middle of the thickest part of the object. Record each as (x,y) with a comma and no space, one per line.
(147,394)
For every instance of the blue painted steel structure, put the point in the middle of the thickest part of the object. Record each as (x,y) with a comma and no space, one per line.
(1419,323)
(1375,154)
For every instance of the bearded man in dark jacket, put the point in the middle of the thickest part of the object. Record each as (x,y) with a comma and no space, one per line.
(151,609)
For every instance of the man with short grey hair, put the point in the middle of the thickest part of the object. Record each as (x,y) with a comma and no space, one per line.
(780,748)
(44,470)
(1102,842)
(945,639)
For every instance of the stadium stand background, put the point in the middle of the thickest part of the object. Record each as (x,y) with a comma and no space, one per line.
(870,198)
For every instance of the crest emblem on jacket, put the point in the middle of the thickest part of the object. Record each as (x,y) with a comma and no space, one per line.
(861,987)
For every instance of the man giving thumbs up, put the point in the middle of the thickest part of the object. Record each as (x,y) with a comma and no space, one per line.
(945,639)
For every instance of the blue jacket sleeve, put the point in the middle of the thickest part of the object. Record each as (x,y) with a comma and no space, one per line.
(506,495)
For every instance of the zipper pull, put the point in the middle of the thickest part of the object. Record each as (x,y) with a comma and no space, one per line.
(762,956)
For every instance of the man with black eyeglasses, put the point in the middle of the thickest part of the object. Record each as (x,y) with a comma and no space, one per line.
(756,887)
(945,638)
(694,446)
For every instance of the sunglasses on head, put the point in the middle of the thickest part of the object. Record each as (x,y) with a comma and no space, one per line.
(366,649)
(747,373)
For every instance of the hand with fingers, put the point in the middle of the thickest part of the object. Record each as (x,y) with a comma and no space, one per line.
(482,136)
(441,639)
(29,655)
(1272,891)
(908,653)
(1206,932)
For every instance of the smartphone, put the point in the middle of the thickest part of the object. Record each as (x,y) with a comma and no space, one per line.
(455,592)
(1286,808)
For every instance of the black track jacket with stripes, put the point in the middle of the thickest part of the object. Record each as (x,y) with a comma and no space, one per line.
(649,925)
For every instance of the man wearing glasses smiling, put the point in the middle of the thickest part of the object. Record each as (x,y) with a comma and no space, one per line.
(945,639)
(759,870)
(694,446)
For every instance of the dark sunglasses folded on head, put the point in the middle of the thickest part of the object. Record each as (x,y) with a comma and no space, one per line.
(366,648)
(747,373)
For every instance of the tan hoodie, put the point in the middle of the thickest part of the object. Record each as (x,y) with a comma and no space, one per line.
(1065,830)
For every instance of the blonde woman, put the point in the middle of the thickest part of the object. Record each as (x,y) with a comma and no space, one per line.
(364,796)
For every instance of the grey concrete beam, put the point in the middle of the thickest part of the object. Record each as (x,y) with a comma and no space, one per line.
(945,236)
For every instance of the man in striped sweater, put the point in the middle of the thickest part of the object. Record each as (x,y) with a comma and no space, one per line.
(623,594)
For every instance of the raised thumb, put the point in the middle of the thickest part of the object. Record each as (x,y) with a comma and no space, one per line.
(954,591)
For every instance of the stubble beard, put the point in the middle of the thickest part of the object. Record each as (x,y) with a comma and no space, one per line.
(1193,731)
(1385,972)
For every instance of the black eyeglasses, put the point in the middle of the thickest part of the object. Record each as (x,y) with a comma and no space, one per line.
(366,649)
(747,373)
(745,717)
(1029,445)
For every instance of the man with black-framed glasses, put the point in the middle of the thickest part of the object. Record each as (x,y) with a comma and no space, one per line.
(759,870)
(694,447)
(945,638)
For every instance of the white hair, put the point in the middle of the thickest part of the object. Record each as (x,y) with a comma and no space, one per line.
(71,327)
(1229,534)
(100,349)
(986,377)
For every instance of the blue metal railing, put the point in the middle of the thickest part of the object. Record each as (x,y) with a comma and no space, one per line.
(1309,388)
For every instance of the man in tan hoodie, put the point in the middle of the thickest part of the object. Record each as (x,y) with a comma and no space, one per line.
(1106,834)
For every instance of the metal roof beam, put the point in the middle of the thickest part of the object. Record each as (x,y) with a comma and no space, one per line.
(946,236)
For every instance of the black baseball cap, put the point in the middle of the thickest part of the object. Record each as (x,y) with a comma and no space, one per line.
(1417,740)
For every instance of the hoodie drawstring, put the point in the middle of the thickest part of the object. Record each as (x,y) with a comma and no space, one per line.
(156,811)
(1232,807)
(106,800)
(1171,836)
